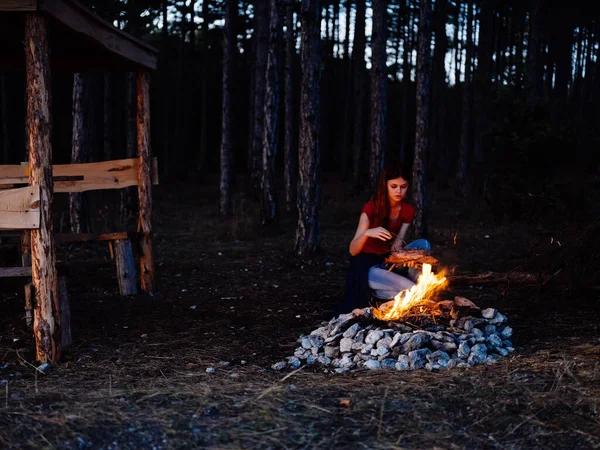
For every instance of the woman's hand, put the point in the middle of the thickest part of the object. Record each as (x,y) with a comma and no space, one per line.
(379,233)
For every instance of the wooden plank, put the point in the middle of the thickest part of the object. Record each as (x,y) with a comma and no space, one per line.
(9,272)
(86,237)
(84,21)
(18,5)
(20,208)
(115,174)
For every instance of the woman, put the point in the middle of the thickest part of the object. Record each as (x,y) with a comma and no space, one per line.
(382,226)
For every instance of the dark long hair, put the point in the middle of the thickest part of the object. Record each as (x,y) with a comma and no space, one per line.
(381,199)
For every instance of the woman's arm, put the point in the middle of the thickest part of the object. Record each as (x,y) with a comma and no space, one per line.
(399,241)
(363,232)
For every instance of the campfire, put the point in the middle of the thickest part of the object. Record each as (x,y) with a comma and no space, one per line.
(414,330)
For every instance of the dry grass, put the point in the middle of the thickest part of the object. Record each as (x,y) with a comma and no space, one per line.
(146,385)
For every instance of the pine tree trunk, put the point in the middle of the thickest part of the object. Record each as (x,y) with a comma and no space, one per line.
(204,91)
(535,69)
(438,162)
(358,60)
(481,93)
(309,187)
(564,40)
(378,91)
(457,53)
(346,137)
(422,125)
(466,129)
(229,49)
(46,318)
(166,94)
(108,117)
(348,9)
(5,127)
(406,82)
(271,121)
(80,150)
(260,69)
(290,149)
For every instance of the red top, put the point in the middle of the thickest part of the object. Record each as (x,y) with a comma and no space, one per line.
(374,245)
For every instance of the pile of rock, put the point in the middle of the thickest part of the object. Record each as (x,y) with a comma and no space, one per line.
(349,342)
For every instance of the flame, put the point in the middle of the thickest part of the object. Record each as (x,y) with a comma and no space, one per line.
(427,285)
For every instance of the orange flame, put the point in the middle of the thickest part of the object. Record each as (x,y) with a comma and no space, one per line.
(427,286)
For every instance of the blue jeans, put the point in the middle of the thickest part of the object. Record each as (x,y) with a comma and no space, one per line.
(386,284)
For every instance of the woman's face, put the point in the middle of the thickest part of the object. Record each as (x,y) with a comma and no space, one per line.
(397,188)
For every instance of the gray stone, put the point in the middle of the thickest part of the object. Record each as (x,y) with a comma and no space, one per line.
(311,359)
(277,366)
(438,356)
(478,354)
(510,349)
(322,332)
(372,364)
(491,359)
(360,336)
(506,343)
(314,350)
(306,343)
(506,332)
(345,362)
(448,347)
(417,341)
(453,363)
(334,338)
(358,346)
(417,358)
(498,318)
(301,353)
(351,332)
(489,329)
(463,365)
(502,351)
(395,339)
(468,326)
(488,313)
(373,336)
(478,335)
(384,342)
(403,363)
(324,360)
(316,341)
(495,340)
(388,363)
(340,323)
(346,344)
(383,350)
(463,350)
(464,337)
(374,352)
(331,351)
(341,370)
(405,337)
(294,362)
(367,349)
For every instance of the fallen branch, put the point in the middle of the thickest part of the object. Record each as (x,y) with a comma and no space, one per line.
(494,278)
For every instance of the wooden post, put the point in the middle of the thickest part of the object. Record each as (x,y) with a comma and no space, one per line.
(65,313)
(46,316)
(145,181)
(29,305)
(125,267)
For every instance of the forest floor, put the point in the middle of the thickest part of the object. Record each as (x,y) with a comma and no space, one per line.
(230,291)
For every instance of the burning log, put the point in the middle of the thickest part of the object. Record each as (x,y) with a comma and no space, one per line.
(410,257)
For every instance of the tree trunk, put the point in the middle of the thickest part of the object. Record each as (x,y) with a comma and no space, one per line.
(358,59)
(290,149)
(564,56)
(406,70)
(378,91)
(535,69)
(348,9)
(108,117)
(80,149)
(204,89)
(457,53)
(346,138)
(422,126)
(145,181)
(309,187)
(229,50)
(46,322)
(166,94)
(438,162)
(466,129)
(260,69)
(482,93)
(5,127)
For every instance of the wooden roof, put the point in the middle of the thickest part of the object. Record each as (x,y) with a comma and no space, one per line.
(79,40)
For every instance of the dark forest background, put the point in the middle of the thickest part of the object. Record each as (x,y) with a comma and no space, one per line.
(512,89)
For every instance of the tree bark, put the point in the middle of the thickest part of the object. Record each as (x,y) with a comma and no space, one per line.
(145,181)
(346,138)
(229,41)
(533,81)
(466,129)
(290,149)
(422,125)
(260,69)
(129,205)
(80,149)
(204,89)
(439,147)
(358,61)
(309,187)
(5,127)
(457,53)
(46,325)
(378,91)
(406,78)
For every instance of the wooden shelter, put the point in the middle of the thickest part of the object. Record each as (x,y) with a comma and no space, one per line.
(39,36)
